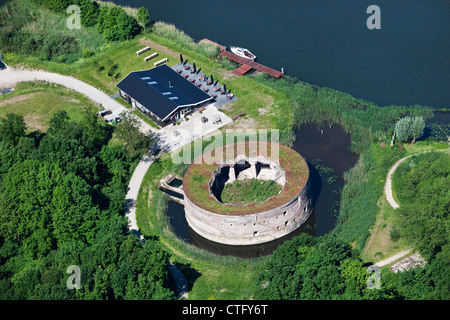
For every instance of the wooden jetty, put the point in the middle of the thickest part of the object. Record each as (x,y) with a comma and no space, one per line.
(243,69)
(249,64)
(246,64)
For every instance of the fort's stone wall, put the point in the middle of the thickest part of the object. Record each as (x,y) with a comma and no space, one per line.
(250,228)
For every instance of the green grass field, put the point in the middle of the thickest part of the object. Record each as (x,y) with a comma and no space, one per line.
(37,102)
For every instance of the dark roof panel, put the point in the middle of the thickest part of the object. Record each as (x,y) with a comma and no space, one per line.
(161,90)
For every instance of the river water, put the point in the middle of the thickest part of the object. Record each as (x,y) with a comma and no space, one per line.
(327,42)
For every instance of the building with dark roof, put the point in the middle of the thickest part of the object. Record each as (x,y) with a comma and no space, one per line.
(162,94)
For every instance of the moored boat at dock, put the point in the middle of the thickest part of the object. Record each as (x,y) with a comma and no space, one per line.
(242,52)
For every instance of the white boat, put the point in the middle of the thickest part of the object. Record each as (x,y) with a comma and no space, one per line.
(242,52)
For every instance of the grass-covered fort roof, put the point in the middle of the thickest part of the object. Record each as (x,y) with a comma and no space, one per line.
(198,175)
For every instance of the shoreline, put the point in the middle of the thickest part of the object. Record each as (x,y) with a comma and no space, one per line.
(296,75)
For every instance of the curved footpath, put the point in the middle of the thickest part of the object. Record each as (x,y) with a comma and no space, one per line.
(388,185)
(393,258)
(395,205)
(11,76)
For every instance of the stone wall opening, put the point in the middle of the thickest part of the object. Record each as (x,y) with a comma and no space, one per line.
(245,170)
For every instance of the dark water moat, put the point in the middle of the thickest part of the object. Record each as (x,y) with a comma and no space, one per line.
(327,151)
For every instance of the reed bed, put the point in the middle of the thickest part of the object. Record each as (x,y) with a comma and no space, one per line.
(169,31)
(365,121)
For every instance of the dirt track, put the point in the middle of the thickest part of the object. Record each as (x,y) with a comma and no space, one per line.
(388,185)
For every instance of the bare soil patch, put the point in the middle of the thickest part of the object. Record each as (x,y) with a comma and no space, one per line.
(35,122)
(155,46)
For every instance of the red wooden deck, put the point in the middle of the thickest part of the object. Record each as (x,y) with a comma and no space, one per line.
(250,64)
(243,69)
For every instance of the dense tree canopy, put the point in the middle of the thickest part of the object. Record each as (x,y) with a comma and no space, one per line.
(88,12)
(316,269)
(326,268)
(12,128)
(62,196)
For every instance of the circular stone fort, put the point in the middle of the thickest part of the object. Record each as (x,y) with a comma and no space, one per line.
(254,222)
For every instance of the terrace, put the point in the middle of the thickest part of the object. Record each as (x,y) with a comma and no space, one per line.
(209,85)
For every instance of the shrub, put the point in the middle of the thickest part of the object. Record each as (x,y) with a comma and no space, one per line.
(143,17)
(417,127)
(403,129)
(115,24)
(408,128)
(394,235)
(89,12)
(112,69)
(87,53)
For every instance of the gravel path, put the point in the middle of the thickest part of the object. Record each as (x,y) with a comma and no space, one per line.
(133,191)
(11,76)
(392,258)
(388,185)
(395,205)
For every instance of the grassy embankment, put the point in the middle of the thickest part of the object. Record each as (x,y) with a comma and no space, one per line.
(368,125)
